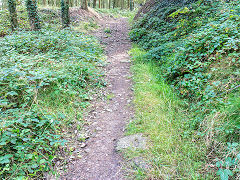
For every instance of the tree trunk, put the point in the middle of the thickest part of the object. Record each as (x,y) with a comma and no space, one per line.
(131,5)
(122,4)
(4,4)
(33,15)
(13,14)
(84,5)
(103,4)
(109,4)
(114,4)
(44,3)
(65,13)
(94,3)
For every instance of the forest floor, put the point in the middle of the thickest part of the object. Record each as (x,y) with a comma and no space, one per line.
(107,120)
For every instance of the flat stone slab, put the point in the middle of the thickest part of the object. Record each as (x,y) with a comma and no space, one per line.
(136,141)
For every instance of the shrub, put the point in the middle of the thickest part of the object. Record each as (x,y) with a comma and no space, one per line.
(196,47)
(61,64)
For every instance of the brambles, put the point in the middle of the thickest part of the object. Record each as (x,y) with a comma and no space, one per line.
(41,72)
(196,48)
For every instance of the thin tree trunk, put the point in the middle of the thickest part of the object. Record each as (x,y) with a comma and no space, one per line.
(13,14)
(33,14)
(99,3)
(109,4)
(122,4)
(103,3)
(131,5)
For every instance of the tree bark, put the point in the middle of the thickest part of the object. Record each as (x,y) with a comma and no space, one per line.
(44,3)
(33,15)
(114,4)
(84,5)
(103,3)
(94,3)
(131,5)
(65,13)
(13,14)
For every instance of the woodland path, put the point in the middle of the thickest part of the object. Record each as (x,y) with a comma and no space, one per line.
(108,119)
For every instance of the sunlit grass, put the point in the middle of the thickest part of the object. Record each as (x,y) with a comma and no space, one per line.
(159,115)
(117,13)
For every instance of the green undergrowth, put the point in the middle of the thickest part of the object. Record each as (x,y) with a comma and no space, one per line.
(117,13)
(161,116)
(50,18)
(195,47)
(46,81)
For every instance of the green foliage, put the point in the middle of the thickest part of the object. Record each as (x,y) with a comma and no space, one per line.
(62,66)
(28,142)
(160,115)
(117,12)
(196,48)
(107,30)
(48,18)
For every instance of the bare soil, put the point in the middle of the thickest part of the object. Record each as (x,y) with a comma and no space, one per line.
(107,120)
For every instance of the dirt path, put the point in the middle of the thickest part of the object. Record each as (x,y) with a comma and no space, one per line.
(107,122)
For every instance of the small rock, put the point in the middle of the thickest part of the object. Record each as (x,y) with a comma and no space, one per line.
(87,150)
(98,129)
(72,157)
(124,61)
(95,123)
(83,145)
(136,141)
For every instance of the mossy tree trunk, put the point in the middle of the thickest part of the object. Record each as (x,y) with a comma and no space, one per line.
(65,13)
(33,15)
(94,3)
(84,5)
(131,5)
(13,14)
(114,4)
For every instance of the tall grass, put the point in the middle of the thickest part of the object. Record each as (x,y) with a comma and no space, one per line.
(160,115)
